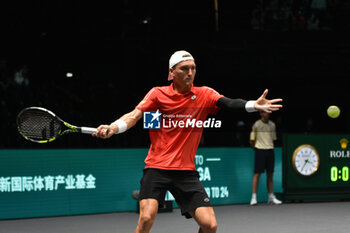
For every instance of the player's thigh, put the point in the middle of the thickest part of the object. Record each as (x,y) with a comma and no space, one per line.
(148,209)
(204,216)
(154,184)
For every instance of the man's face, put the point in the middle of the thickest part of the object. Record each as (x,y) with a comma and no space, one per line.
(264,116)
(184,73)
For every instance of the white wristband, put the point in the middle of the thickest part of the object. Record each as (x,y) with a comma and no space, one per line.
(122,126)
(249,106)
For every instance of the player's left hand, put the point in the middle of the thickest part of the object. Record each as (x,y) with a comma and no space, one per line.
(263,104)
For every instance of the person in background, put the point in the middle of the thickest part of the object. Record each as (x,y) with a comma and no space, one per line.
(262,138)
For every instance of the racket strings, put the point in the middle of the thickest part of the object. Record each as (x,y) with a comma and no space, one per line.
(38,125)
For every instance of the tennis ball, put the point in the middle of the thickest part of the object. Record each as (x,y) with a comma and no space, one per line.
(333,111)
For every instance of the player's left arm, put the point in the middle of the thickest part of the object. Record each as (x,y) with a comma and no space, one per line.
(231,104)
(261,104)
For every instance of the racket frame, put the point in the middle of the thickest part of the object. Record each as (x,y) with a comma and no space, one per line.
(71,128)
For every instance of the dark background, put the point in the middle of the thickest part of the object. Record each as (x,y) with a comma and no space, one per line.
(117,51)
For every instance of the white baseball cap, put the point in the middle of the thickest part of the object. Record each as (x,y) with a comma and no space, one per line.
(178,57)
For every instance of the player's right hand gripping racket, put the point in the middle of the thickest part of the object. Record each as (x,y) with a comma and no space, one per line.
(41,125)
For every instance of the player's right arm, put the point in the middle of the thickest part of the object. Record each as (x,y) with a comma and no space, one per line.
(125,122)
(130,119)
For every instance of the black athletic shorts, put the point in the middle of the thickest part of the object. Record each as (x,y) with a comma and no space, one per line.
(185,186)
(264,160)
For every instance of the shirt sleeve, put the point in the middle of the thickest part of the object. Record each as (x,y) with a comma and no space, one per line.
(149,102)
(253,133)
(212,97)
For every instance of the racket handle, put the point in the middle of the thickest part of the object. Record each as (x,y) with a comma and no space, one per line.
(88,130)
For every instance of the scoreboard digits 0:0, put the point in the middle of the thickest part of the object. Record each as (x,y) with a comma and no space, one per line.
(339,174)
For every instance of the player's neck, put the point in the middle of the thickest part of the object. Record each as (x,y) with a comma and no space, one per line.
(180,89)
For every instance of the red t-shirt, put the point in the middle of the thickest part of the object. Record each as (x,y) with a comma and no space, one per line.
(174,145)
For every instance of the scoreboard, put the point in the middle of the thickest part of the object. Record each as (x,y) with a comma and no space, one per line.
(316,166)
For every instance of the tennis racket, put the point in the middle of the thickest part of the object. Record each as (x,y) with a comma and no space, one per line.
(42,126)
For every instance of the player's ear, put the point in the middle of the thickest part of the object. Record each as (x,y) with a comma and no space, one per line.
(171,73)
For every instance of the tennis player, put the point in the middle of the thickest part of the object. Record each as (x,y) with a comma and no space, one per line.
(170,160)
